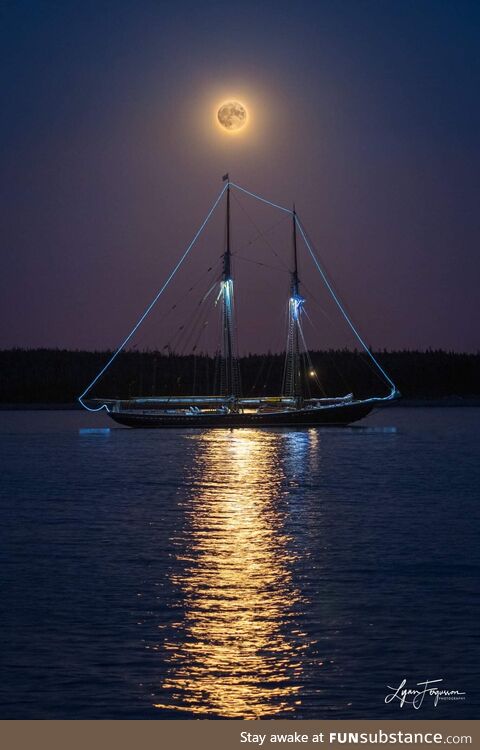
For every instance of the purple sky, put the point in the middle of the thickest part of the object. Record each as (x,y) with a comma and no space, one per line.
(366,115)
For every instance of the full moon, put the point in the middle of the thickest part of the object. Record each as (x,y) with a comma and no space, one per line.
(232,115)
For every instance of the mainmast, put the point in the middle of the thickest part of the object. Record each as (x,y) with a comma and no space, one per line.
(227,253)
(230,378)
(292,380)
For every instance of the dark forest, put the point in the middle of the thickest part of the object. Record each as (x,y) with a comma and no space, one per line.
(59,376)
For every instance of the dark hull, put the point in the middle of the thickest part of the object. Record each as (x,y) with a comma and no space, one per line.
(332,415)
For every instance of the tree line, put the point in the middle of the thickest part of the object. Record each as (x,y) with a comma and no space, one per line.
(60,375)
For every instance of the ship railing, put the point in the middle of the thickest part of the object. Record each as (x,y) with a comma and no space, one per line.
(229,403)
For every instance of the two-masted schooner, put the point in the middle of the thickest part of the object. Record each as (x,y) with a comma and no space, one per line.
(229,408)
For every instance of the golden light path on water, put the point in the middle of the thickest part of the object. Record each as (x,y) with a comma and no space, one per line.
(237,652)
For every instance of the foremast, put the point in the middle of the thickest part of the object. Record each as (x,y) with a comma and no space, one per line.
(292,378)
(230,373)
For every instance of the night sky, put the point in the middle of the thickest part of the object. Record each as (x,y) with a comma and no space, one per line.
(366,114)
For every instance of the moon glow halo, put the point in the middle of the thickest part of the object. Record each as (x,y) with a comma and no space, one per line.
(232,116)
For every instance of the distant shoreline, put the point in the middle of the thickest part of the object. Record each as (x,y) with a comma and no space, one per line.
(447,402)
(52,379)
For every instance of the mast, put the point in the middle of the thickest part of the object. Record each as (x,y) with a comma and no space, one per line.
(292,379)
(230,378)
(295,257)
(227,253)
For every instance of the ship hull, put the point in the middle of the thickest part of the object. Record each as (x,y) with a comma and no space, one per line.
(340,415)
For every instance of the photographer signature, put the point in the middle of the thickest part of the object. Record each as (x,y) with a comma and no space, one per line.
(415,697)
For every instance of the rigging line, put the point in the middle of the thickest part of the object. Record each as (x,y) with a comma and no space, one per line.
(192,328)
(149,308)
(262,235)
(314,326)
(171,344)
(286,322)
(202,330)
(259,198)
(312,298)
(305,368)
(259,263)
(373,368)
(214,286)
(238,374)
(141,338)
(343,311)
(310,363)
(260,232)
(327,354)
(177,342)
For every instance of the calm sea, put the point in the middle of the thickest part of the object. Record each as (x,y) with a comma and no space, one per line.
(238,574)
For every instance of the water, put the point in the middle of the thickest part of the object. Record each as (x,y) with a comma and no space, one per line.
(255,573)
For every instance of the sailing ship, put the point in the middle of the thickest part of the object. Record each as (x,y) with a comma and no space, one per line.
(229,408)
